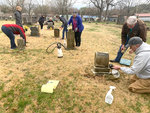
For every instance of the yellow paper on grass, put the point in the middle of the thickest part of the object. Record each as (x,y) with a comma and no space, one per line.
(47,88)
(54,83)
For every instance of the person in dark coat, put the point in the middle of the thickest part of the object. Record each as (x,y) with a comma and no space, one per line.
(41,21)
(18,16)
(10,30)
(64,25)
(77,26)
(133,27)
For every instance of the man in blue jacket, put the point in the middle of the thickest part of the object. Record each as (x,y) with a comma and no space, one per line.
(77,26)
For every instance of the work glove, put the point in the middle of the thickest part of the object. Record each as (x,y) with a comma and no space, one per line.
(60,28)
(76,29)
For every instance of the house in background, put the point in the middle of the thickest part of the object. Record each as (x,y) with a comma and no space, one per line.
(119,19)
(6,16)
(89,18)
(144,16)
(113,18)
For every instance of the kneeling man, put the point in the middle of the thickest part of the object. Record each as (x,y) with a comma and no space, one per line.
(140,83)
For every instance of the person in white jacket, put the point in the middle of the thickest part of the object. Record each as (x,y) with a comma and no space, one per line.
(140,83)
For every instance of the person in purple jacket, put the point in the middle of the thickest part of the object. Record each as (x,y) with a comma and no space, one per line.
(77,26)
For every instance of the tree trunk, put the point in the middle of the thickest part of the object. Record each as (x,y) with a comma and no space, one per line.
(100,16)
(106,13)
(67,14)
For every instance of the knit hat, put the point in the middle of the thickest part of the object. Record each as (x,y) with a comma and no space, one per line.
(134,41)
(75,12)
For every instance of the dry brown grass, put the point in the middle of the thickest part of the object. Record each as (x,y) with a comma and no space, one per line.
(23,73)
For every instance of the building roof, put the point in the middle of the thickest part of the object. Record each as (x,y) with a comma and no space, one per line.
(113,16)
(143,14)
(87,16)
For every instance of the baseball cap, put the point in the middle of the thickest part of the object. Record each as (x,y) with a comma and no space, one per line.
(134,41)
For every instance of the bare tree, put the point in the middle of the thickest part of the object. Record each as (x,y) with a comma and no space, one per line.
(14,3)
(62,6)
(125,6)
(108,4)
(37,10)
(129,4)
(29,8)
(99,4)
(5,8)
(91,11)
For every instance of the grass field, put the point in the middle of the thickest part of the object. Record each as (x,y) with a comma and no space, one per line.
(22,73)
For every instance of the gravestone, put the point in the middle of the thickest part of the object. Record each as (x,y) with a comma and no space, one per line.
(70,39)
(101,63)
(101,60)
(56,32)
(35,31)
(20,43)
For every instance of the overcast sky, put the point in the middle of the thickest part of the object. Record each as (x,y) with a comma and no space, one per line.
(78,4)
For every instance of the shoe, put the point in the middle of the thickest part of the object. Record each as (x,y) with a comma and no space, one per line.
(13,48)
(113,61)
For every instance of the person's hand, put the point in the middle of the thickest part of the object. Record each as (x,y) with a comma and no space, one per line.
(122,47)
(60,28)
(130,52)
(76,29)
(116,67)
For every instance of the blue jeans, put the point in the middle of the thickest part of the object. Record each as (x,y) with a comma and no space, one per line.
(120,54)
(10,35)
(64,30)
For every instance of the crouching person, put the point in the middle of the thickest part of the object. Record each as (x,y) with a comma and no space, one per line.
(10,30)
(140,83)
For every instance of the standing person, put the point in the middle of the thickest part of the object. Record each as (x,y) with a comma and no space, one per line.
(64,25)
(77,26)
(18,16)
(10,30)
(140,82)
(133,27)
(41,21)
